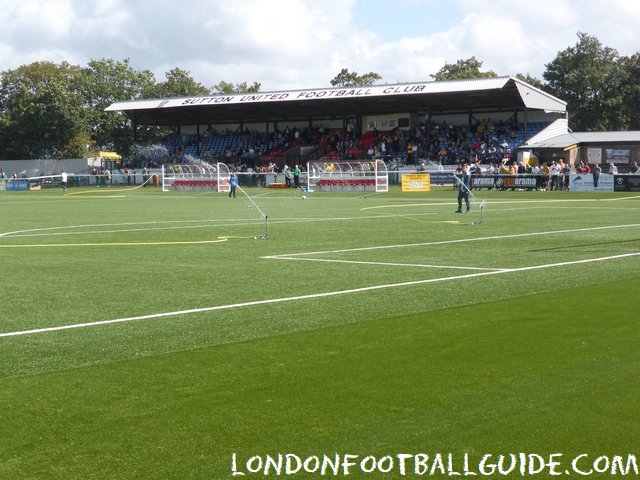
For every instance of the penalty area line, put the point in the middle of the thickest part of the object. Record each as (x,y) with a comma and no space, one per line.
(309,296)
(388,264)
(120,244)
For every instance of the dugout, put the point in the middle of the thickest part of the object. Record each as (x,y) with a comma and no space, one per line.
(103,159)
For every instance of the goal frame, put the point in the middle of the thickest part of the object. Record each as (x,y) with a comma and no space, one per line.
(196,177)
(348,175)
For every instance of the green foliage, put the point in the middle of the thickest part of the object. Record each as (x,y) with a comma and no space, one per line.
(631,70)
(230,89)
(462,70)
(534,81)
(351,79)
(589,77)
(179,83)
(104,82)
(78,146)
(41,110)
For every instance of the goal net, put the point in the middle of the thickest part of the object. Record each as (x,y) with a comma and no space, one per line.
(326,175)
(196,177)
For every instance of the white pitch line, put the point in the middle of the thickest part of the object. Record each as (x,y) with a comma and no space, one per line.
(310,296)
(390,264)
(287,256)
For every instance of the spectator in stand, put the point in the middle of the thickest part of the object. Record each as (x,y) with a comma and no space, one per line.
(410,153)
(442,156)
(537,171)
(634,170)
(613,169)
(478,167)
(546,172)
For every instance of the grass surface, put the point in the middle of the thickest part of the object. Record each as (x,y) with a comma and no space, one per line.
(150,335)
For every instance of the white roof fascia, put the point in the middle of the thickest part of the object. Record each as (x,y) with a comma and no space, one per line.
(556,129)
(318,94)
(536,99)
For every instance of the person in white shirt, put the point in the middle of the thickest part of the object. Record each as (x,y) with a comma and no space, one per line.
(613,170)
(555,175)
(63,181)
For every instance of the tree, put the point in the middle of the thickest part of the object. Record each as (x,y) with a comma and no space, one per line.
(351,79)
(590,79)
(534,81)
(42,115)
(462,70)
(631,90)
(230,89)
(179,83)
(107,81)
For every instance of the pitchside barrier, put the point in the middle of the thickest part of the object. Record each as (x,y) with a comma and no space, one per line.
(201,177)
(366,176)
(574,182)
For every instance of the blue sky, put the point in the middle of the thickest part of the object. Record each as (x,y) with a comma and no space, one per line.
(395,20)
(294,44)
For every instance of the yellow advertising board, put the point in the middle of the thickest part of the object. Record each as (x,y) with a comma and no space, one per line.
(416,182)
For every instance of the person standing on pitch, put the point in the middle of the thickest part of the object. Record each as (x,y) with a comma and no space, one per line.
(464,187)
(233,182)
(596,171)
(296,176)
(63,180)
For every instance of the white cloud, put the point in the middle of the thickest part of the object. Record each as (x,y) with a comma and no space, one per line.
(305,43)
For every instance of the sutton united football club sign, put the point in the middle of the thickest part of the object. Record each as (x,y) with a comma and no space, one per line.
(318,94)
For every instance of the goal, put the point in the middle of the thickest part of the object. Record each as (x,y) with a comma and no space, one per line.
(196,177)
(341,176)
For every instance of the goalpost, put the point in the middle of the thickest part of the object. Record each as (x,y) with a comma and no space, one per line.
(196,177)
(344,176)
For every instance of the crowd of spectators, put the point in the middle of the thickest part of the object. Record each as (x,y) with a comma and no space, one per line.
(447,144)
(444,143)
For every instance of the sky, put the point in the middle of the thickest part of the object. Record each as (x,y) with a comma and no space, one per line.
(300,44)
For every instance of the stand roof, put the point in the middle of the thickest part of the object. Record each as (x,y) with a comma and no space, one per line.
(443,97)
